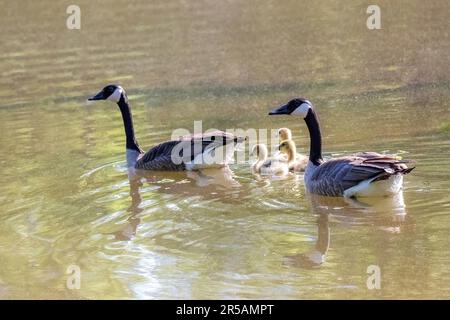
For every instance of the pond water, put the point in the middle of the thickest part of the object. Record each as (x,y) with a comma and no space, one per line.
(66,197)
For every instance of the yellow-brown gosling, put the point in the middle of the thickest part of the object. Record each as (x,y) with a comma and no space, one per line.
(284,134)
(268,166)
(301,161)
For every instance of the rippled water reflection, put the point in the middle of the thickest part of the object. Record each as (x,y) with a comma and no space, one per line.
(67,197)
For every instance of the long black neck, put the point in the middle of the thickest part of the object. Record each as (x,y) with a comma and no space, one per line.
(315,149)
(128,124)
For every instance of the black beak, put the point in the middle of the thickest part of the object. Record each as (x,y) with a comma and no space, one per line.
(280,110)
(98,96)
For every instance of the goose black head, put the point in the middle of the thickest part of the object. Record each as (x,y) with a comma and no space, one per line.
(111,92)
(295,107)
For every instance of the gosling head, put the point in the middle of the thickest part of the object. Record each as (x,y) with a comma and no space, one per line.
(295,107)
(260,151)
(110,92)
(288,147)
(284,134)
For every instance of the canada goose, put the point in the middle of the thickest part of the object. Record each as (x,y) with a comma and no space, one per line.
(189,152)
(268,166)
(300,162)
(362,174)
(297,162)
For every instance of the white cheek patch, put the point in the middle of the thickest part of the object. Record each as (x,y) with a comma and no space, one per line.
(115,96)
(301,110)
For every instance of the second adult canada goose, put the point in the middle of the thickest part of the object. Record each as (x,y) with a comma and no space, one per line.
(300,161)
(189,152)
(362,174)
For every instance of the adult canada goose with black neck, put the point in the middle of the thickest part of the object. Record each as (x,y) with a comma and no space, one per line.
(189,152)
(363,174)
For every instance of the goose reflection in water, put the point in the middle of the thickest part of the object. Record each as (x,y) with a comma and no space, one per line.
(316,256)
(387,214)
(207,183)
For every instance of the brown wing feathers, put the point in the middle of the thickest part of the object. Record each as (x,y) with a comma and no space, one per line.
(374,165)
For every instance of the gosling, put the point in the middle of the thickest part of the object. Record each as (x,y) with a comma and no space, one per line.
(278,166)
(300,161)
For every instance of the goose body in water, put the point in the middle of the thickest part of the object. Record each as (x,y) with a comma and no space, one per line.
(300,161)
(363,174)
(189,152)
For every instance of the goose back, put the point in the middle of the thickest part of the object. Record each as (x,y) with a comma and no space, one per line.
(178,155)
(334,177)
